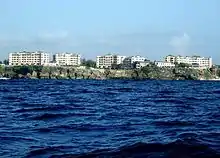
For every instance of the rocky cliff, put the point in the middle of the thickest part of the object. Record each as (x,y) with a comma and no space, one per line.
(149,72)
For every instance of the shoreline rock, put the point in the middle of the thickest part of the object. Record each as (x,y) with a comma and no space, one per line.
(148,72)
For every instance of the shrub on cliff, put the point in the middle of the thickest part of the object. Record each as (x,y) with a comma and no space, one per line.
(182,65)
(22,70)
(88,63)
(218,72)
(1,69)
(150,71)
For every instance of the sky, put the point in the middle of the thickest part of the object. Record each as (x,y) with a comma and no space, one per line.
(151,28)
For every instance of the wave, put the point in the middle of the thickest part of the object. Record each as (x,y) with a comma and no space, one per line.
(21,110)
(123,89)
(109,114)
(47,151)
(15,138)
(48,116)
(166,100)
(177,149)
(173,123)
(84,127)
(39,107)
(43,108)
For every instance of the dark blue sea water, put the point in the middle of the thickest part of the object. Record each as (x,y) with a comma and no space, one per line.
(109,118)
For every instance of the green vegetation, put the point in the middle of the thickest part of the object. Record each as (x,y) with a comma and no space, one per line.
(182,65)
(88,63)
(2,69)
(24,70)
(207,74)
(218,72)
(4,62)
(180,72)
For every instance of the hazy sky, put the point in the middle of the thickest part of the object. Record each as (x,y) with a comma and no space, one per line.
(152,28)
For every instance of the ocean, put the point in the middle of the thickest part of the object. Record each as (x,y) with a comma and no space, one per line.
(109,118)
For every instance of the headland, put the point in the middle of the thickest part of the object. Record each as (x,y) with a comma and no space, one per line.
(148,72)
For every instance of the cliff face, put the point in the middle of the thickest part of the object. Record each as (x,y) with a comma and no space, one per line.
(149,72)
(80,73)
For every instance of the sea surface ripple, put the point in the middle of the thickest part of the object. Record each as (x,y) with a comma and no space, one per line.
(109,118)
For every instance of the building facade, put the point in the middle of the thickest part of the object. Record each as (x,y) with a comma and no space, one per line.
(141,64)
(129,62)
(164,64)
(170,59)
(67,59)
(193,61)
(107,61)
(28,58)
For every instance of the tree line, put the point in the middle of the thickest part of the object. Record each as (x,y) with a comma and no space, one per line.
(6,62)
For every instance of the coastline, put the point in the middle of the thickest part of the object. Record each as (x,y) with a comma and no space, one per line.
(151,72)
(105,79)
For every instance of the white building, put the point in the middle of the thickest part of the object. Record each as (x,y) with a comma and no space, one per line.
(170,59)
(67,59)
(28,58)
(51,64)
(108,60)
(140,64)
(164,64)
(128,63)
(194,61)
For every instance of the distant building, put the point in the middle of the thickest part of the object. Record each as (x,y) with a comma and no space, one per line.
(67,59)
(140,64)
(51,64)
(164,64)
(129,62)
(28,58)
(109,61)
(193,61)
(170,59)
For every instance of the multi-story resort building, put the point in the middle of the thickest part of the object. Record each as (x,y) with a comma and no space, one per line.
(193,61)
(28,58)
(130,62)
(67,59)
(107,61)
